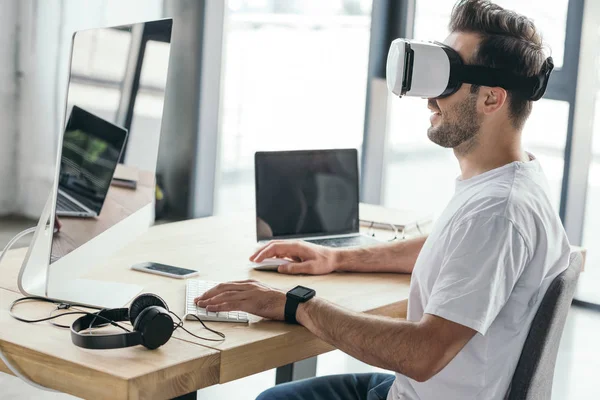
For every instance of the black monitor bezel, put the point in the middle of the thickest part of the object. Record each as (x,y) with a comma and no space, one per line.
(262,155)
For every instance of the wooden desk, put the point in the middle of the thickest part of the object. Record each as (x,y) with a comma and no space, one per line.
(46,355)
(219,248)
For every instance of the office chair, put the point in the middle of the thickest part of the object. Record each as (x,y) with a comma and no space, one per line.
(534,373)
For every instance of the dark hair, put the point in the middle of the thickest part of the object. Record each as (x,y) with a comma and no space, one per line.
(508,40)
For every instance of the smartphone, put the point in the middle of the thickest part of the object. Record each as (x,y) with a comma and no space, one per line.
(165,270)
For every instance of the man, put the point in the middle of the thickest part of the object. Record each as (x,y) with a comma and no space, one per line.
(479,277)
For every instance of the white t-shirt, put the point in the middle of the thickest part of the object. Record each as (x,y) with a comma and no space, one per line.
(487,264)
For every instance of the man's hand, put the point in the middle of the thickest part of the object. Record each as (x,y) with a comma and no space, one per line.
(57,224)
(308,258)
(249,296)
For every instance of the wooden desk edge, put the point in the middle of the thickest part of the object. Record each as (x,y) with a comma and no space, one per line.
(72,378)
(171,382)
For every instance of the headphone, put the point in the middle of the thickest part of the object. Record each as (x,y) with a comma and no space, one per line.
(149,315)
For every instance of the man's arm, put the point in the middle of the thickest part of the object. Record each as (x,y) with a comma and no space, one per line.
(418,350)
(399,257)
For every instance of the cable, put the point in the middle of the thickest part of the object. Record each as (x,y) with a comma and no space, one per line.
(59,306)
(8,364)
(419,228)
(180,325)
(14,240)
(66,306)
(395,229)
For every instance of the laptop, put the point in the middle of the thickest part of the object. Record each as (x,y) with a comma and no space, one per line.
(91,150)
(309,195)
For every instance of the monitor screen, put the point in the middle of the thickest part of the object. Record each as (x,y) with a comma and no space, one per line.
(306,193)
(109,147)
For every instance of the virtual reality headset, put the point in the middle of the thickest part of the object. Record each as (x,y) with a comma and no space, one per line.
(434,70)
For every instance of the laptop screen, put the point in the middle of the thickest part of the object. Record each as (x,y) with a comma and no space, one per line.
(90,153)
(306,193)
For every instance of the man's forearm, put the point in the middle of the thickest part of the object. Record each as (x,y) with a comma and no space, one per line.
(399,257)
(387,343)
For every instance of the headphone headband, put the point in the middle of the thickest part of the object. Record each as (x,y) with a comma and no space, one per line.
(152,325)
(104,341)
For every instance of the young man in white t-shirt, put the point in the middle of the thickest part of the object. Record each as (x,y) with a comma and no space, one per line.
(477,279)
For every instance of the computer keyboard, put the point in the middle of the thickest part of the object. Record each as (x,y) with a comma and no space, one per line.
(352,241)
(195,288)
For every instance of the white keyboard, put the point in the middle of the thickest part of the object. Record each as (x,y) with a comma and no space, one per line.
(195,288)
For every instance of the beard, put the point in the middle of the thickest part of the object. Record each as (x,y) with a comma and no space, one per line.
(460,125)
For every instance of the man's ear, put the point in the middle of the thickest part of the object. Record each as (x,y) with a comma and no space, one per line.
(493,98)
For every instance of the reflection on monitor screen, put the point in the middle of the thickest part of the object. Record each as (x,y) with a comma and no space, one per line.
(305,193)
(110,144)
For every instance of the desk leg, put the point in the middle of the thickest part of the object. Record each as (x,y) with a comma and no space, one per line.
(189,396)
(296,371)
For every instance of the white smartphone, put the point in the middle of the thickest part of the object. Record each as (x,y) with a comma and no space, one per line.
(165,270)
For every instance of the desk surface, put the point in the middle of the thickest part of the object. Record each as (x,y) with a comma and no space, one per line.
(219,248)
(46,355)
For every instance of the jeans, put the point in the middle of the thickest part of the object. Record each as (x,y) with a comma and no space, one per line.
(333,387)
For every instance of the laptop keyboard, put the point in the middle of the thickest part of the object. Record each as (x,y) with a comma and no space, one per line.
(353,241)
(64,204)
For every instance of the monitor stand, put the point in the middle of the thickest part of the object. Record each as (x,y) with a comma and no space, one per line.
(88,292)
(34,278)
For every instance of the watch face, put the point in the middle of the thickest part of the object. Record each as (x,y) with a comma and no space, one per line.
(301,292)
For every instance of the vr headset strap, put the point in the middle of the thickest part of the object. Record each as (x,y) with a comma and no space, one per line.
(534,87)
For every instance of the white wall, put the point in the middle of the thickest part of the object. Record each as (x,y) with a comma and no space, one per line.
(8,104)
(46,28)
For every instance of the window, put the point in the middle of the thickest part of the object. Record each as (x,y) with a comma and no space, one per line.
(148,108)
(99,63)
(412,160)
(591,227)
(549,16)
(295,76)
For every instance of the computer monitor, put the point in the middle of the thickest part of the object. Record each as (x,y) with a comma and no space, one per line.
(105,177)
(306,193)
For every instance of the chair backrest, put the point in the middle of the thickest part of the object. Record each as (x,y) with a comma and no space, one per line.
(533,376)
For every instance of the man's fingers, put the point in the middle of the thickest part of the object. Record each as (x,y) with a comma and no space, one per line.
(230,306)
(225,297)
(227,287)
(259,250)
(296,268)
(281,250)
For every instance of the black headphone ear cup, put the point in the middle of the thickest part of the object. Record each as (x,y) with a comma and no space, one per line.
(144,301)
(155,325)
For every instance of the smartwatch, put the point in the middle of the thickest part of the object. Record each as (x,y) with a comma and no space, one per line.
(297,295)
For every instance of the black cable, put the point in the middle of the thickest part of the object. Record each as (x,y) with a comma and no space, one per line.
(91,325)
(66,306)
(60,315)
(60,306)
(371,232)
(68,326)
(180,325)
